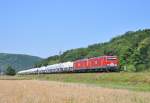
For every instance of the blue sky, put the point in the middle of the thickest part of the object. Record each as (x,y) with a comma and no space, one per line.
(44,27)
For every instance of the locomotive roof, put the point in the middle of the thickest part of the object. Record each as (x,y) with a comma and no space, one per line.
(95,57)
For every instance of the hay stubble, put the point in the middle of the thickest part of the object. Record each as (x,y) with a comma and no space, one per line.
(33,91)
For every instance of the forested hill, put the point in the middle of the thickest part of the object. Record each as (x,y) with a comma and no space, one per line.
(132,48)
(17,61)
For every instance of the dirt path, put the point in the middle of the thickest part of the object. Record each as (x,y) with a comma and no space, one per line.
(30,91)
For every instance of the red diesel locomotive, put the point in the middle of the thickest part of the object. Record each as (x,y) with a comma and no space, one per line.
(103,63)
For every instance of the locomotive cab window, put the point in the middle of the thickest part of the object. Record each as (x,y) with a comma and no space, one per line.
(111,58)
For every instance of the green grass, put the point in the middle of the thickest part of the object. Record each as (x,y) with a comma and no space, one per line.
(132,81)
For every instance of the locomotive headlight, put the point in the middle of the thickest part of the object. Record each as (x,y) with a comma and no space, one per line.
(112,64)
(108,64)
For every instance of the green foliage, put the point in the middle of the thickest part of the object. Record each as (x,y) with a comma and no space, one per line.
(10,71)
(132,48)
(131,68)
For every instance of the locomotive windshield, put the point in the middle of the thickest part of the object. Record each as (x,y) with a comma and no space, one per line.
(111,58)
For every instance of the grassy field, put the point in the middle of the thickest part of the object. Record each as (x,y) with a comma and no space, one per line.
(76,88)
(36,91)
(132,81)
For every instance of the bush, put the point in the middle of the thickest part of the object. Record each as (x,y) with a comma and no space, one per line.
(141,67)
(10,71)
(131,68)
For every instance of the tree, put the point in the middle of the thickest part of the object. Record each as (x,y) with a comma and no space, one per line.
(10,71)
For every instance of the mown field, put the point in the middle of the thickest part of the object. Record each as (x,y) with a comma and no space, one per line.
(76,88)
(132,81)
(36,91)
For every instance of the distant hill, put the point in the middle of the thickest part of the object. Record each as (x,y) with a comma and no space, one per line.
(132,48)
(17,61)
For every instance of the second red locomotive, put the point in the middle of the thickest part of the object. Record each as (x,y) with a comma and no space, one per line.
(103,63)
